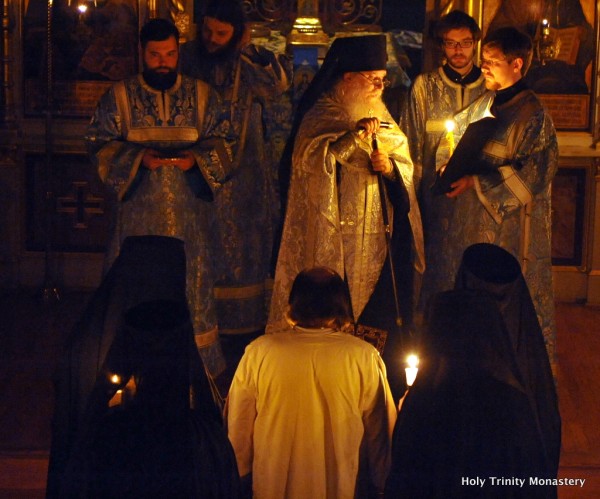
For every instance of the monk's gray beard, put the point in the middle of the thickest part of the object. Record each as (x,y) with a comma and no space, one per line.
(357,104)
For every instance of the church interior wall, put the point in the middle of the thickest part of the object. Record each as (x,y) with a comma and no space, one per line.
(59,194)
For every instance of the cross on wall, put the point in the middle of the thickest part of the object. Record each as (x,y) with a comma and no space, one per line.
(81,204)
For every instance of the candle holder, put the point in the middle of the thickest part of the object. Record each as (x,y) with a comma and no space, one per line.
(546,45)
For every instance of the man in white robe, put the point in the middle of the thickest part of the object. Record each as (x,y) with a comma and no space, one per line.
(310,412)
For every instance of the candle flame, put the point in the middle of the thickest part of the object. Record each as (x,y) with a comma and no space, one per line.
(115,379)
(412,360)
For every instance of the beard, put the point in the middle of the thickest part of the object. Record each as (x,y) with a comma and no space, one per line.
(358,103)
(492,85)
(218,54)
(459,62)
(206,62)
(160,79)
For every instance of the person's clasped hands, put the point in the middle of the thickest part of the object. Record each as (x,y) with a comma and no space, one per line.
(154,159)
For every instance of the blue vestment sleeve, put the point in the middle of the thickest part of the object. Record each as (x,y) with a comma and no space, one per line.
(117,160)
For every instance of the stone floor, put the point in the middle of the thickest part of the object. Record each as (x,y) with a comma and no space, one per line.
(32,333)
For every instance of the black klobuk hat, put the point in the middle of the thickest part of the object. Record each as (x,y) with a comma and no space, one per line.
(357,53)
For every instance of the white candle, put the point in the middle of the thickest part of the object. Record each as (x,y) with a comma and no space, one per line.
(412,369)
(450,125)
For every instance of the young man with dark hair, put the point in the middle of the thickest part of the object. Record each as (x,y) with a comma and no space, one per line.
(251,81)
(434,98)
(164,159)
(158,30)
(508,203)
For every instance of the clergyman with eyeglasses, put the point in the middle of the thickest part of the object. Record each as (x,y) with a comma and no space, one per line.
(434,98)
(334,215)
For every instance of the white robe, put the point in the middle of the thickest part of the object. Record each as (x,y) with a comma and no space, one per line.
(306,410)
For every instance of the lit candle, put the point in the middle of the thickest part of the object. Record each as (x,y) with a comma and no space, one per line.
(117,398)
(450,135)
(545,27)
(412,369)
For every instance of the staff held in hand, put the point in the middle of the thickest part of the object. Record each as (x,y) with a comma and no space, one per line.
(368,127)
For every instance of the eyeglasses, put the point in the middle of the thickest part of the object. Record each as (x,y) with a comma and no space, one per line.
(377,82)
(494,63)
(464,44)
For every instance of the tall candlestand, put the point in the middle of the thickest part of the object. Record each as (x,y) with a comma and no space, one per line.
(50,290)
(8,112)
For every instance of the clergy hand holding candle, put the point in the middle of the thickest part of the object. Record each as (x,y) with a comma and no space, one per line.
(447,144)
(464,183)
(466,159)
